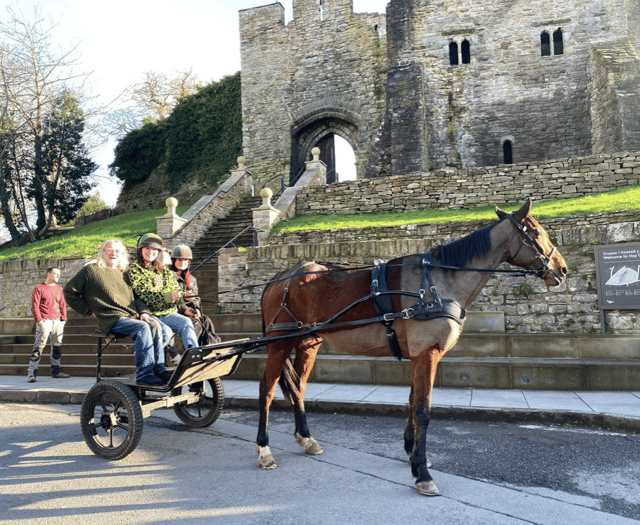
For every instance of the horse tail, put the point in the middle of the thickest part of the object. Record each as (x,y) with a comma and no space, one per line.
(289,383)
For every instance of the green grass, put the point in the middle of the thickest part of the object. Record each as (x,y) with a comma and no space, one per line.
(84,242)
(623,199)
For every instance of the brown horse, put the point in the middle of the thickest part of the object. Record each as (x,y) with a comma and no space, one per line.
(427,296)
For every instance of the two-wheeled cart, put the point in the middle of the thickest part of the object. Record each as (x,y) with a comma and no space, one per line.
(113,411)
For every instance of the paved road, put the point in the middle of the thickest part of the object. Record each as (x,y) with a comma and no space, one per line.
(48,476)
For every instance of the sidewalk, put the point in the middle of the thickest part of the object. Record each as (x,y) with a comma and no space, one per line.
(608,409)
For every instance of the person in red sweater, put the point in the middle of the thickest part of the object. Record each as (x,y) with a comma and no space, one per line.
(50,313)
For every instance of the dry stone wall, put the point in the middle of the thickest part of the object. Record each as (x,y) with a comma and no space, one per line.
(528,305)
(19,277)
(468,188)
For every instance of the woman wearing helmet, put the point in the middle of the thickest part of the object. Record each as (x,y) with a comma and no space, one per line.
(180,261)
(157,286)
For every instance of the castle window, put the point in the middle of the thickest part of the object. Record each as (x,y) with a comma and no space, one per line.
(453,54)
(507,152)
(545,44)
(466,51)
(558,46)
(321,10)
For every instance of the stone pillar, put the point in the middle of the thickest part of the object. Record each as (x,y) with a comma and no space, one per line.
(170,223)
(265,217)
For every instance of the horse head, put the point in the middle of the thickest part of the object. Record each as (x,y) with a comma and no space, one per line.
(533,249)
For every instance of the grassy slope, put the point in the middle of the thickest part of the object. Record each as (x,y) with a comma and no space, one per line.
(623,199)
(128,227)
(85,241)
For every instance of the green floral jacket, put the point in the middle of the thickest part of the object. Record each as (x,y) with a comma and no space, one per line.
(155,289)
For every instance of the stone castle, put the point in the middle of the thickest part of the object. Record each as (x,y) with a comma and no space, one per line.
(439,83)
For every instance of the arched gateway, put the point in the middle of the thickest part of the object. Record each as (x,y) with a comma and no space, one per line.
(317,127)
(304,83)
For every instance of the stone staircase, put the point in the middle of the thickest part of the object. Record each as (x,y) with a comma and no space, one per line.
(485,357)
(223,231)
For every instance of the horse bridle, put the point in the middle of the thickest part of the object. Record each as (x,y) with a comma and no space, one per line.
(543,257)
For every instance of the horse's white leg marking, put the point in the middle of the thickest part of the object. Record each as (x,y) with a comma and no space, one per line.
(427,488)
(265,459)
(309,445)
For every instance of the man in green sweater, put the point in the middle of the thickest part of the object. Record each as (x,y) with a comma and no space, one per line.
(101,290)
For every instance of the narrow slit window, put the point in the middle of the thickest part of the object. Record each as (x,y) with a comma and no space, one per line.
(465,50)
(558,45)
(507,152)
(545,44)
(453,54)
(321,10)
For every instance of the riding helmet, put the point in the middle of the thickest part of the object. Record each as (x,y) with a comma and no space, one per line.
(182,251)
(150,240)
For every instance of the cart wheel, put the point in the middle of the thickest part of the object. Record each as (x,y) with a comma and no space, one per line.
(209,407)
(111,420)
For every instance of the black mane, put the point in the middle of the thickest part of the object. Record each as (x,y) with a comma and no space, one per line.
(457,253)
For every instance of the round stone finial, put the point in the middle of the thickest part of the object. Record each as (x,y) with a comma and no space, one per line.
(171,202)
(241,161)
(316,153)
(266,193)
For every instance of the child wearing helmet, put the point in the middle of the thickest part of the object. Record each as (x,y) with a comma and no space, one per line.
(181,257)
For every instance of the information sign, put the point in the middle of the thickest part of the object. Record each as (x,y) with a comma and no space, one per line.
(618,276)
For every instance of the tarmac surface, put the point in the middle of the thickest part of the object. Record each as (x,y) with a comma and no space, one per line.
(48,475)
(593,408)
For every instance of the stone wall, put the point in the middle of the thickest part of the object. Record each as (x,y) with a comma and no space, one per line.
(19,277)
(323,73)
(386,83)
(528,305)
(468,188)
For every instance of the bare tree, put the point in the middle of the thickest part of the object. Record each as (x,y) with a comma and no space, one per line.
(34,74)
(158,93)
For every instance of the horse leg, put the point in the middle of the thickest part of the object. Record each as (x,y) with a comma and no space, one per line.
(408,429)
(277,357)
(423,377)
(294,382)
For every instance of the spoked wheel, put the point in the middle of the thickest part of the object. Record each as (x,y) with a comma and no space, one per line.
(207,409)
(111,420)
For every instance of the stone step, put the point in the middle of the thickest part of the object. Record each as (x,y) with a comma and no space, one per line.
(485,357)
(513,373)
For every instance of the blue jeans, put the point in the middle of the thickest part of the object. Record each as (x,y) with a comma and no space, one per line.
(148,349)
(182,326)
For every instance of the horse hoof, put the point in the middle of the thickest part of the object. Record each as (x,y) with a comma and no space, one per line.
(265,458)
(427,488)
(309,445)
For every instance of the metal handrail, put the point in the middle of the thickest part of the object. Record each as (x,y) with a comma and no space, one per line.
(250,227)
(280,191)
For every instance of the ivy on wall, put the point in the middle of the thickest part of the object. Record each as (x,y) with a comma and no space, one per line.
(202,139)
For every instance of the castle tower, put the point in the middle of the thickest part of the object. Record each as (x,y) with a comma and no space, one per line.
(303,83)
(484,83)
(462,83)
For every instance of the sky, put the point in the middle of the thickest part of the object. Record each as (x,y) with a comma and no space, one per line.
(119,40)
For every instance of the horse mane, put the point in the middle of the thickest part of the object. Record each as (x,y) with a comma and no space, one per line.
(458,252)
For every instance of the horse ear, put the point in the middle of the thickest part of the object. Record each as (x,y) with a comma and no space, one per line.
(501,214)
(524,211)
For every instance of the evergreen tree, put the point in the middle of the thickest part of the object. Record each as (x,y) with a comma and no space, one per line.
(65,162)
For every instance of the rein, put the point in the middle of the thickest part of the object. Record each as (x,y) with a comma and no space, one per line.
(381,296)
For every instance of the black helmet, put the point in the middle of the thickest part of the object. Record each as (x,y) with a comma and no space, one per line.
(182,251)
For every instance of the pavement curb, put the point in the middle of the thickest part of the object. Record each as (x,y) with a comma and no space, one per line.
(508,415)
